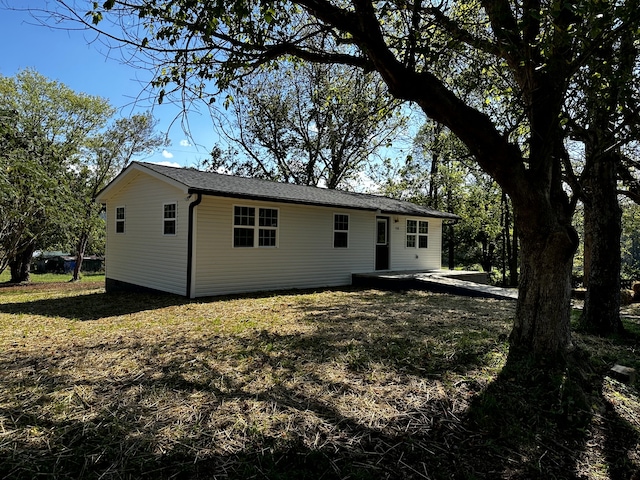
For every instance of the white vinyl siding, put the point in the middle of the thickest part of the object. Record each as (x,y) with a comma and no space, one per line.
(145,256)
(405,242)
(305,256)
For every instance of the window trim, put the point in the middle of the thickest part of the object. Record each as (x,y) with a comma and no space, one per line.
(341,231)
(256,227)
(416,235)
(174,219)
(122,220)
(268,228)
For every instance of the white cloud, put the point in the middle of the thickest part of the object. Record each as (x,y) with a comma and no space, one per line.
(168,164)
(185,143)
(167,154)
(223,170)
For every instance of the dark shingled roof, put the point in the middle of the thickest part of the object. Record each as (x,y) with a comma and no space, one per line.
(209,183)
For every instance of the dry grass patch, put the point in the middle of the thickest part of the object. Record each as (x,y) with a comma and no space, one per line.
(332,384)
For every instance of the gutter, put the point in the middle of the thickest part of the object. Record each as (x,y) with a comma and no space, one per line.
(266,198)
(192,207)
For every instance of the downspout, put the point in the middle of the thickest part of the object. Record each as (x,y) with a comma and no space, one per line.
(192,207)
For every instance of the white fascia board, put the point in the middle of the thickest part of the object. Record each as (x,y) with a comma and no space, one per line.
(129,174)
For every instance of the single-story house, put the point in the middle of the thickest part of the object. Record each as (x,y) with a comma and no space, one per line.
(220,234)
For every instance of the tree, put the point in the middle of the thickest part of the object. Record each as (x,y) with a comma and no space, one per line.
(538,45)
(18,168)
(606,108)
(47,126)
(104,156)
(441,174)
(309,124)
(630,244)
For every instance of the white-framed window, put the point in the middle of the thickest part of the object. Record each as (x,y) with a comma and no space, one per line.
(248,233)
(340,230)
(120,219)
(244,221)
(267,227)
(417,234)
(170,218)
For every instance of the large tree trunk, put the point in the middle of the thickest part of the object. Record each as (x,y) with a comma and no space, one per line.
(602,213)
(602,231)
(533,182)
(20,266)
(548,242)
(542,324)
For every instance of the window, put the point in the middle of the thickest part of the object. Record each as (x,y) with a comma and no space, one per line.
(120,219)
(244,227)
(268,225)
(170,217)
(381,237)
(423,232)
(244,220)
(340,231)
(417,234)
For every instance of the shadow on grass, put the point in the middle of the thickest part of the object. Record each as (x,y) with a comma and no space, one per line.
(92,306)
(386,387)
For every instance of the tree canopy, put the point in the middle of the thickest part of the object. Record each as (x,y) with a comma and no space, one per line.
(58,148)
(309,124)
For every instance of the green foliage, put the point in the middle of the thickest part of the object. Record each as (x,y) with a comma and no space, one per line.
(46,126)
(103,156)
(439,174)
(55,155)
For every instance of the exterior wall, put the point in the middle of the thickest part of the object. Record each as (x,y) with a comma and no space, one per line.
(143,255)
(304,257)
(404,258)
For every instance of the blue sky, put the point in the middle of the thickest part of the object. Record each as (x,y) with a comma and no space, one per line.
(67,56)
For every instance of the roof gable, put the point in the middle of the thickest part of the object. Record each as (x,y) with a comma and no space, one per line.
(128,175)
(209,183)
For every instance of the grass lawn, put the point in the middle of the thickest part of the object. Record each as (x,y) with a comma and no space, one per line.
(335,384)
(56,277)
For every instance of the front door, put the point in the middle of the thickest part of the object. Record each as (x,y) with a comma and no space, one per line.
(382,243)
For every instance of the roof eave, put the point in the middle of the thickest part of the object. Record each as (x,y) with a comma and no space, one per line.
(103,195)
(241,196)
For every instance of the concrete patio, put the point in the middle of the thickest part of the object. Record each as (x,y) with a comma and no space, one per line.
(457,282)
